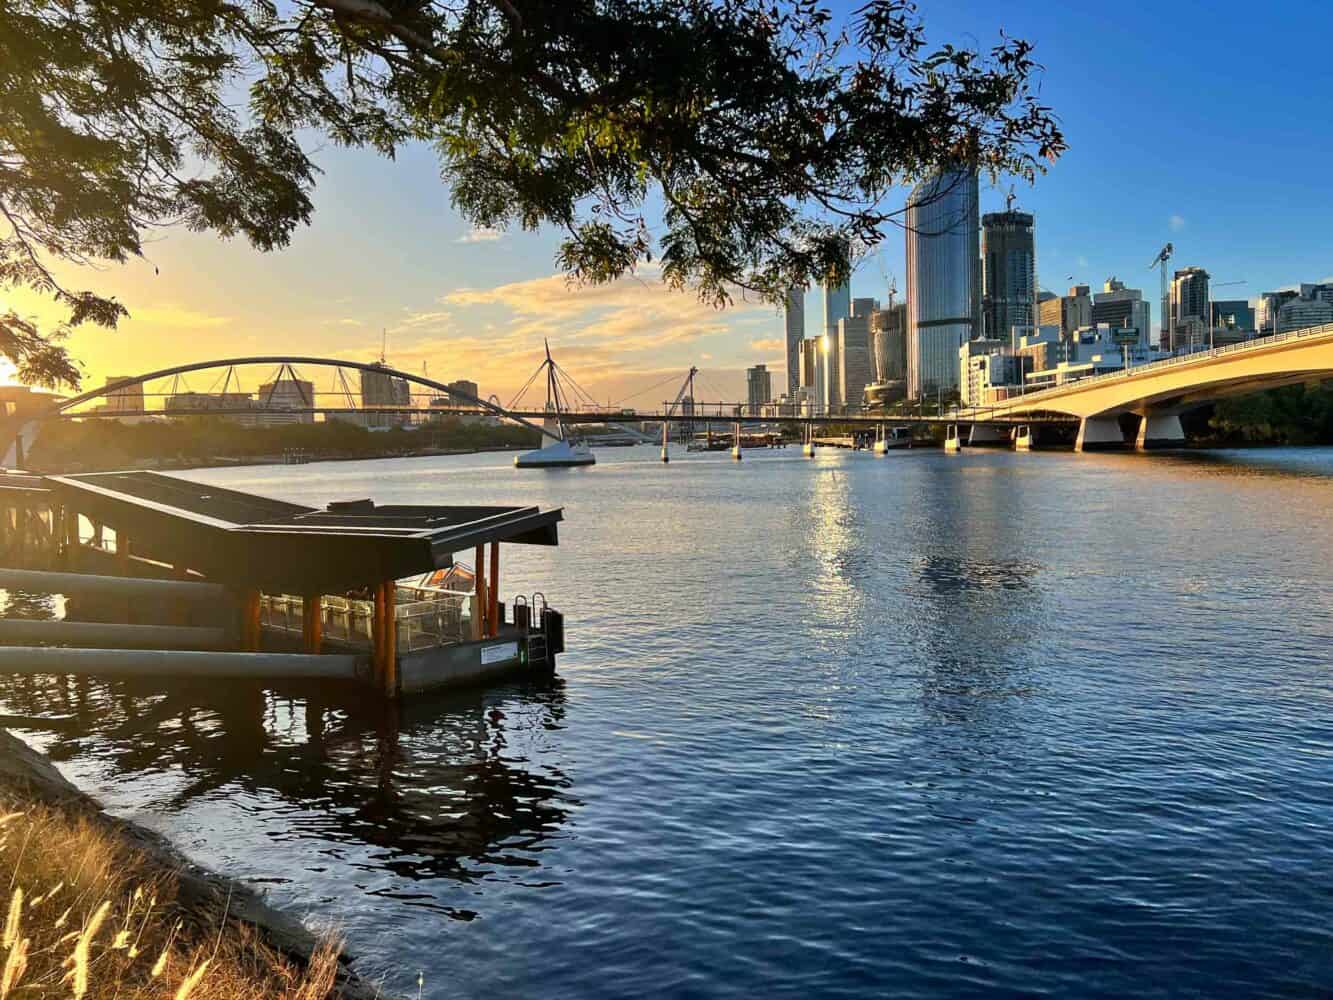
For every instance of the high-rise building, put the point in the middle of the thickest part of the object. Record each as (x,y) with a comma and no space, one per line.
(285,394)
(380,389)
(837,306)
(943,278)
(758,387)
(855,363)
(1266,313)
(1008,273)
(1189,300)
(795,332)
(1300,312)
(1233,314)
(1069,312)
(1119,307)
(465,386)
(888,332)
(127,398)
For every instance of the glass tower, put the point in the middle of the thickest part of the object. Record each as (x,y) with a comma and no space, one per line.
(943,278)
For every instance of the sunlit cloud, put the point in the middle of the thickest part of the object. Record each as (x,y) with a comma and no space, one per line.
(178,317)
(480,234)
(772,344)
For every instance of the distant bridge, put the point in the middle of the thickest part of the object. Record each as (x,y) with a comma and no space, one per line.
(1159,392)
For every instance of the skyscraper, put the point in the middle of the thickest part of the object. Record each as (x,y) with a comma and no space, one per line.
(837,306)
(943,278)
(1068,312)
(1189,301)
(1009,273)
(795,330)
(1118,306)
(888,331)
(855,362)
(758,386)
(379,389)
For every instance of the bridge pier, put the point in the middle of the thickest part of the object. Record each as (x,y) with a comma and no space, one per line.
(1160,430)
(1024,438)
(953,444)
(736,441)
(1098,433)
(986,434)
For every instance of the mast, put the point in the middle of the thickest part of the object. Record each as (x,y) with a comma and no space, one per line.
(553,391)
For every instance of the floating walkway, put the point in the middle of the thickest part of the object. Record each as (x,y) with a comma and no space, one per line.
(160,576)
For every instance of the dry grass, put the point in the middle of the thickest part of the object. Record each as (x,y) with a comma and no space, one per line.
(86,917)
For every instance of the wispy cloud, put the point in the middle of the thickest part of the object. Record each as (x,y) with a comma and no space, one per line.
(771,344)
(181,317)
(605,335)
(1177,223)
(480,234)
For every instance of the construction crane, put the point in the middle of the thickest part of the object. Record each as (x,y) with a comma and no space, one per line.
(686,389)
(1164,255)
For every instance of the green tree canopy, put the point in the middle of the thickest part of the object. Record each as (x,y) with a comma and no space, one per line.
(744,143)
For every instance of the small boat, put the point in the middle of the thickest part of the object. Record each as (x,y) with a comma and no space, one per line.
(561,452)
(557,454)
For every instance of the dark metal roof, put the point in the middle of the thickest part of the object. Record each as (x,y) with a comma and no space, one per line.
(247,540)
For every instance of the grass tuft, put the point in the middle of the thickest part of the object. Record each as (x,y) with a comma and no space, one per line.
(119,930)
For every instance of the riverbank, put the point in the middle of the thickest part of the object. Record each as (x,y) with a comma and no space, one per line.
(108,908)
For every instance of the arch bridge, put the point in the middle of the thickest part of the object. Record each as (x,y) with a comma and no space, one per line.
(287,395)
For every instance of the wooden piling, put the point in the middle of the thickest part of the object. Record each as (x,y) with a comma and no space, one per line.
(493,610)
(483,600)
(251,631)
(312,622)
(384,661)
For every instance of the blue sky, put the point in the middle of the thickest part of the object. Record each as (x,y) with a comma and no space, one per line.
(1206,125)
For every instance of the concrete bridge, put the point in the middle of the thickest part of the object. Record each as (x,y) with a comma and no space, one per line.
(1159,392)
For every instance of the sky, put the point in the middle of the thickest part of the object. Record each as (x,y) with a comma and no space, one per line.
(1190,122)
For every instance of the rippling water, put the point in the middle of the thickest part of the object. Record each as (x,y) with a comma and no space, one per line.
(920,726)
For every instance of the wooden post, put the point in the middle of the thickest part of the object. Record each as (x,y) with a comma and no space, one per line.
(312,622)
(385,659)
(493,611)
(123,553)
(483,602)
(390,639)
(20,536)
(251,631)
(377,638)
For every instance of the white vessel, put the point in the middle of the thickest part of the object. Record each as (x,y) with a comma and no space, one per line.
(557,454)
(560,452)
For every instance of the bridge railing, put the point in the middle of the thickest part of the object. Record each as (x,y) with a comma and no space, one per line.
(1179,359)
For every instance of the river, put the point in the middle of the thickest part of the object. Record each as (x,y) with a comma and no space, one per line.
(919,726)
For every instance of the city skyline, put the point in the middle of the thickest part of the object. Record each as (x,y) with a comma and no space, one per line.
(453,297)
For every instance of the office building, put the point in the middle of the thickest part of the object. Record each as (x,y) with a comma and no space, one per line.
(466,387)
(1068,312)
(1298,313)
(794,328)
(380,389)
(837,305)
(856,368)
(1270,303)
(1008,273)
(235,407)
(888,335)
(1118,306)
(125,399)
(943,278)
(1233,315)
(1189,301)
(284,394)
(975,368)
(758,387)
